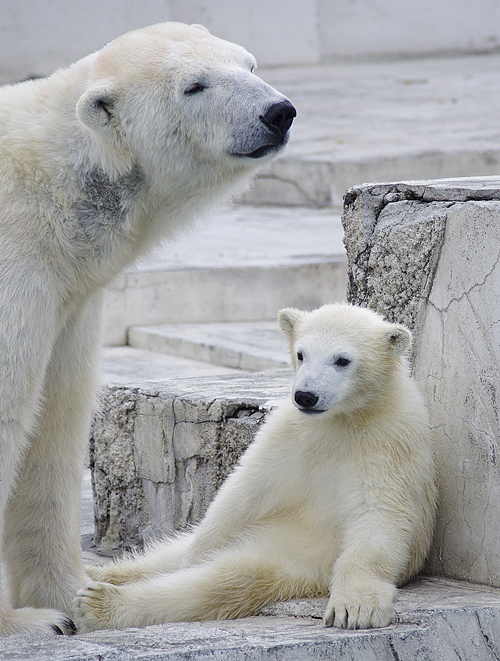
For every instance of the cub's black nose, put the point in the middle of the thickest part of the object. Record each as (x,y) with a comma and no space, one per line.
(279,117)
(306,399)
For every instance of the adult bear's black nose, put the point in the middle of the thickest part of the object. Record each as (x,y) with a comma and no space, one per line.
(306,399)
(279,117)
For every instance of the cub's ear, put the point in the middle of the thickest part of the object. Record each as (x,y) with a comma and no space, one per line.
(288,318)
(96,107)
(398,339)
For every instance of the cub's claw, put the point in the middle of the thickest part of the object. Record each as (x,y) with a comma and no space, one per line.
(361,609)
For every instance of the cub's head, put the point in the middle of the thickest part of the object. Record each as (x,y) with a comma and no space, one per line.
(181,101)
(343,356)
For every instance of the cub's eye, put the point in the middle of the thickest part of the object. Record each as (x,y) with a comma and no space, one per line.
(342,362)
(300,356)
(194,89)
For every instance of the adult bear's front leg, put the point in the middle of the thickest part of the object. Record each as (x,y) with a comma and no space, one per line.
(43,535)
(28,318)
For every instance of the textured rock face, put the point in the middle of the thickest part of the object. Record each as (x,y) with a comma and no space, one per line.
(427,254)
(159,452)
(391,243)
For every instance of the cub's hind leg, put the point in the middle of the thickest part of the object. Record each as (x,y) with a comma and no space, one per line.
(161,558)
(226,587)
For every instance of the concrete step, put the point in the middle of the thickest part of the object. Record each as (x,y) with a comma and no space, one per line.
(243,263)
(251,346)
(383,121)
(134,367)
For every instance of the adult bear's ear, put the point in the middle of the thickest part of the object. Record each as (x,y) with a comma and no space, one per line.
(398,338)
(96,107)
(288,318)
(200,27)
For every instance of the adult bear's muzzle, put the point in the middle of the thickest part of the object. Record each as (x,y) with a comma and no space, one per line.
(278,119)
(275,123)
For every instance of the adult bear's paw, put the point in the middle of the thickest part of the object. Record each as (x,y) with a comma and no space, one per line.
(95,607)
(35,620)
(361,608)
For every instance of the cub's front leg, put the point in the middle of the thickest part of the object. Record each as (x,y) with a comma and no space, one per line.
(364,578)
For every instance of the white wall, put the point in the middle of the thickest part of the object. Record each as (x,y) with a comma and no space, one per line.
(275,31)
(37,36)
(362,28)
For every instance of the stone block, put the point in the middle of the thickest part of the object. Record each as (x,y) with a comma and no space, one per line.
(427,254)
(159,452)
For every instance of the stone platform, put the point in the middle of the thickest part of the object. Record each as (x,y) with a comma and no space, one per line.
(160,450)
(436,620)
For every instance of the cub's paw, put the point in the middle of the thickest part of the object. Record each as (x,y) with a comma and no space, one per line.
(95,606)
(361,609)
(35,620)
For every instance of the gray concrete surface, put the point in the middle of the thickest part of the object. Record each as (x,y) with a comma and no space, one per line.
(243,263)
(40,37)
(126,365)
(384,121)
(253,236)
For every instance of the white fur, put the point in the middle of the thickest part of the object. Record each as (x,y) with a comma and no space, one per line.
(339,502)
(97,163)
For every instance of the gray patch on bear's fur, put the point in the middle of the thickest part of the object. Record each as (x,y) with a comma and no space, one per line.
(106,201)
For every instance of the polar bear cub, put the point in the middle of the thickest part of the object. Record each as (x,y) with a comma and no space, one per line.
(98,163)
(335,496)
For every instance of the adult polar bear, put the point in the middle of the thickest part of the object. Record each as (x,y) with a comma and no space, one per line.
(336,495)
(98,162)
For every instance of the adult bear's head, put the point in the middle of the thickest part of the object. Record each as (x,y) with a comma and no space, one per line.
(172,96)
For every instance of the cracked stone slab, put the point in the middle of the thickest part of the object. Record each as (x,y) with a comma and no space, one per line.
(159,451)
(393,235)
(435,619)
(427,254)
